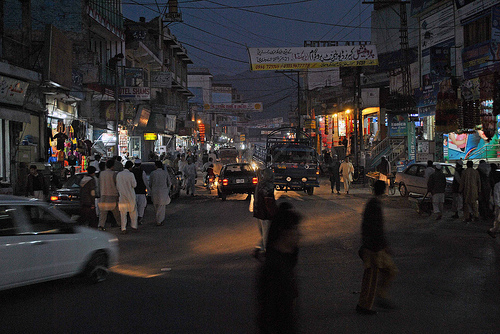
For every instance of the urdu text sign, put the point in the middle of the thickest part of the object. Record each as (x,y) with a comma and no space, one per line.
(270,59)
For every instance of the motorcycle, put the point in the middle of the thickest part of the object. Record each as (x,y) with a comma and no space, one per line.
(210,180)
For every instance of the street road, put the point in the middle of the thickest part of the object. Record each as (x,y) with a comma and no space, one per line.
(196,275)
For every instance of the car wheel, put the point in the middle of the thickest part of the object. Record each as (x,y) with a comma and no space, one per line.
(97,268)
(402,190)
(310,191)
(223,196)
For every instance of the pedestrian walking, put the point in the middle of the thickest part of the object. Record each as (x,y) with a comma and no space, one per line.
(429,169)
(141,190)
(346,170)
(334,174)
(37,185)
(376,256)
(181,164)
(96,161)
(190,174)
(118,164)
(125,184)
(458,199)
(496,223)
(109,195)
(436,185)
(484,170)
(277,288)
(88,186)
(159,183)
(264,208)
(470,186)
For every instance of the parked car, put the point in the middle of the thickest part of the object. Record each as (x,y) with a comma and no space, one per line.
(39,243)
(236,179)
(67,198)
(412,179)
(175,177)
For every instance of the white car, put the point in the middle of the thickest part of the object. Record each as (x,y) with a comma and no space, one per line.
(39,243)
(412,179)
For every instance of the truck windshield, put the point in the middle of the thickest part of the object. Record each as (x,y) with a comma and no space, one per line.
(286,155)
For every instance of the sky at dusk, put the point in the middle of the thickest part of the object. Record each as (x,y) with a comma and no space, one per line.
(217,33)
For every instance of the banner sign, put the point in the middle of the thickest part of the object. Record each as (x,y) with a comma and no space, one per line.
(397,125)
(161,79)
(270,59)
(135,93)
(234,107)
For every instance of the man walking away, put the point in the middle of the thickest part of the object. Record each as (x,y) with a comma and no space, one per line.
(109,195)
(376,257)
(141,189)
(88,187)
(333,171)
(264,207)
(346,170)
(484,170)
(190,174)
(458,199)
(159,183)
(470,186)
(429,169)
(436,185)
(496,223)
(125,183)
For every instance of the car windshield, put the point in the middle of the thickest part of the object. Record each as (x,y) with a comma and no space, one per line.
(73,181)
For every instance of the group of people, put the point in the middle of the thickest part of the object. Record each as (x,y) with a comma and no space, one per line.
(473,191)
(278,250)
(123,193)
(339,172)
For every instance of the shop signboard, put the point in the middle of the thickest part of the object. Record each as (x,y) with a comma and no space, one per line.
(161,79)
(397,125)
(135,93)
(133,72)
(427,96)
(412,142)
(150,136)
(292,58)
(170,123)
(12,91)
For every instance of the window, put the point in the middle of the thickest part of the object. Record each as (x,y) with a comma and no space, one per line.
(477,31)
(421,171)
(45,221)
(412,170)
(7,226)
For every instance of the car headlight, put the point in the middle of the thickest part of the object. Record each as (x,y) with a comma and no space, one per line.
(288,179)
(304,179)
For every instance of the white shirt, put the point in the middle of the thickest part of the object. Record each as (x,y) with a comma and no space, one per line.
(125,183)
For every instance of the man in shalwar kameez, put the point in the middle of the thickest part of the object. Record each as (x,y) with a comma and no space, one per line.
(470,186)
(159,183)
(126,183)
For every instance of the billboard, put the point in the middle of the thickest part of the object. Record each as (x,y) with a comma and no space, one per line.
(469,146)
(270,59)
(234,107)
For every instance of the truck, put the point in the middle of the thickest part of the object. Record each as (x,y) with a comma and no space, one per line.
(290,154)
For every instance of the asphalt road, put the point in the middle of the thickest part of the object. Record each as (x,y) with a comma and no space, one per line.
(196,275)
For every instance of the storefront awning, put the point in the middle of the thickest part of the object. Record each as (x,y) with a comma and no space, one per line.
(372,110)
(15,115)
